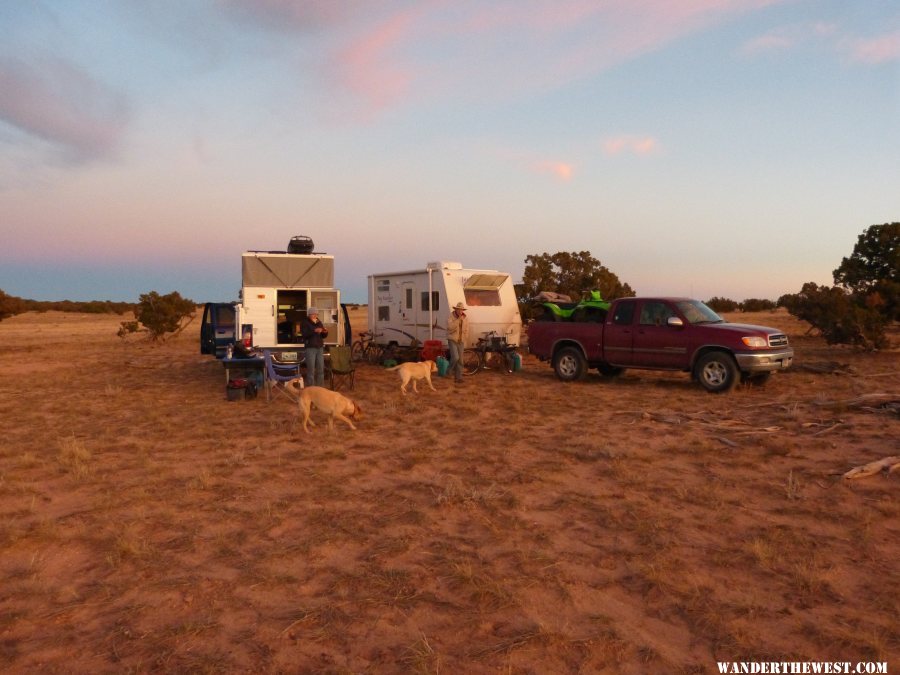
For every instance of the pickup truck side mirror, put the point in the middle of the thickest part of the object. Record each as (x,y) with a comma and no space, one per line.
(675,322)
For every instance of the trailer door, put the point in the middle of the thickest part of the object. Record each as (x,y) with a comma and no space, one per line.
(409,307)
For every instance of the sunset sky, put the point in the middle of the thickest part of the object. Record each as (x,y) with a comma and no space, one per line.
(696,147)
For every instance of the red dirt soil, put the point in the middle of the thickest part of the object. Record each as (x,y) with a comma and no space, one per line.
(513,523)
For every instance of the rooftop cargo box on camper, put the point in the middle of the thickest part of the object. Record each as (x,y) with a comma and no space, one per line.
(416,304)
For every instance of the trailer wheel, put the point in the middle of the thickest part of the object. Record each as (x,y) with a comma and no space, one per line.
(717,372)
(569,364)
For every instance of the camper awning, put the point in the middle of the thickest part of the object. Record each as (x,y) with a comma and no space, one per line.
(288,271)
(485,282)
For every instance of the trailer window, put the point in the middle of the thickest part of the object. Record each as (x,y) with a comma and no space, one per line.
(384,285)
(384,313)
(409,296)
(480,298)
(435,301)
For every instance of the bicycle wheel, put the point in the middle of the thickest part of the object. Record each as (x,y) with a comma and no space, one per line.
(471,361)
(357,351)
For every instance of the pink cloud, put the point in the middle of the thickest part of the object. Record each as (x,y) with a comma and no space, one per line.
(872,51)
(562,170)
(636,145)
(369,67)
(462,50)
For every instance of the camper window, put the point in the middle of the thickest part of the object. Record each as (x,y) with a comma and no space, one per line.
(384,313)
(409,297)
(479,298)
(435,303)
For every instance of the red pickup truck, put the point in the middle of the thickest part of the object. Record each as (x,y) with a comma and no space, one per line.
(662,334)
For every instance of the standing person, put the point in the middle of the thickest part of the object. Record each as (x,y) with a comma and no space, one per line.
(457,332)
(314,333)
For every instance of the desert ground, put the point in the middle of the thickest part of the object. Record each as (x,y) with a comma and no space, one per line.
(511,524)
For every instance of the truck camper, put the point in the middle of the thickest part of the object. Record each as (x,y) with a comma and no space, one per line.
(415,304)
(278,287)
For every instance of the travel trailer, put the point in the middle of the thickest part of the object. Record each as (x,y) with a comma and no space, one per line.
(414,305)
(277,289)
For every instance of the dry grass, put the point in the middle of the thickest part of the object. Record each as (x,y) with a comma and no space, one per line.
(513,523)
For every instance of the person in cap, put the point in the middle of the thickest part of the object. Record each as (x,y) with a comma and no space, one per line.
(314,334)
(457,332)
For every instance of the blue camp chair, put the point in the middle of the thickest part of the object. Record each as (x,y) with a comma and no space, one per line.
(277,372)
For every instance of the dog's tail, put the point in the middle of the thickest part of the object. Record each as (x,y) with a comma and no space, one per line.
(394,367)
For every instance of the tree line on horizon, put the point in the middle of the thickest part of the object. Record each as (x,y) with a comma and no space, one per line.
(864,300)
(11,305)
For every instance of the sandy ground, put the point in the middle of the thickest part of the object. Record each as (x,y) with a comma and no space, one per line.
(511,524)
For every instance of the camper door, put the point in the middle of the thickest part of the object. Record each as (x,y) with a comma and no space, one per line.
(329,305)
(258,310)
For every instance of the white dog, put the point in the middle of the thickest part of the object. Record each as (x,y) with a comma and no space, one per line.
(414,372)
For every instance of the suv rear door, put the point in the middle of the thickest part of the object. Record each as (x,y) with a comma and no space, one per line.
(217,329)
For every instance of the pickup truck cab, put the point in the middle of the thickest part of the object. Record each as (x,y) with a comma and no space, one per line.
(662,334)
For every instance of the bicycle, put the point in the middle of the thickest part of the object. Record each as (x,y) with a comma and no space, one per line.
(492,352)
(366,349)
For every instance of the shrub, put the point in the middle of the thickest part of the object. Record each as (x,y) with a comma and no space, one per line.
(10,306)
(757,305)
(866,295)
(718,304)
(834,312)
(161,314)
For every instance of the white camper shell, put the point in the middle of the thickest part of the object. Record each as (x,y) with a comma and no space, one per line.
(278,289)
(416,304)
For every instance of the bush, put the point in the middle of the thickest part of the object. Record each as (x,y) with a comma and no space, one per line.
(718,304)
(10,306)
(161,314)
(836,314)
(757,305)
(866,295)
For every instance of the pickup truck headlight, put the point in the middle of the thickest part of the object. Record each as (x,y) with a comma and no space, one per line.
(755,342)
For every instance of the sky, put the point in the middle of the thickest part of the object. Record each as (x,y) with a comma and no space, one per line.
(731,148)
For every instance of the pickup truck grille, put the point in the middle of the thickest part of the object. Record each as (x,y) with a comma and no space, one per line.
(779,340)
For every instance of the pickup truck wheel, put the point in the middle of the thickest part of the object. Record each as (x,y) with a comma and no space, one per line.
(717,372)
(569,364)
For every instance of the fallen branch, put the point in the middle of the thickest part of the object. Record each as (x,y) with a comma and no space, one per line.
(827,367)
(865,401)
(888,465)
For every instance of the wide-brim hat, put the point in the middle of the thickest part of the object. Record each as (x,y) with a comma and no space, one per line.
(459,306)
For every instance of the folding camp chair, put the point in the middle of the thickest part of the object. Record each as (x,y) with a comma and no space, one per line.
(343,369)
(276,373)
